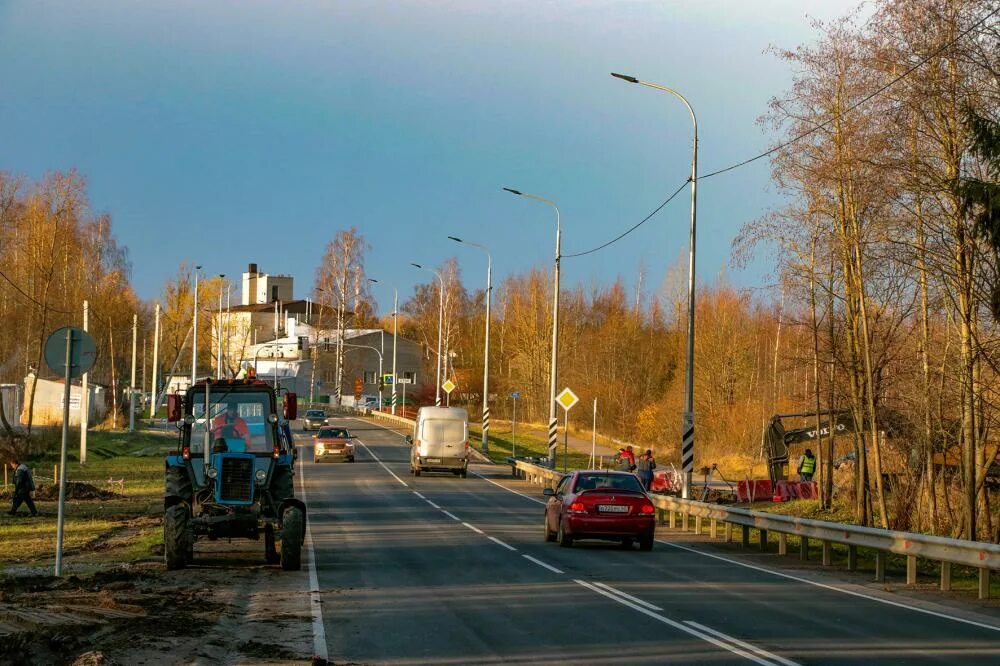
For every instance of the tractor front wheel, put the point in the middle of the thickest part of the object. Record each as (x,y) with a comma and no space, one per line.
(176,537)
(292,536)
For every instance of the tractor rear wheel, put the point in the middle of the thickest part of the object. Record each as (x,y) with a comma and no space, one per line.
(176,537)
(292,534)
(270,549)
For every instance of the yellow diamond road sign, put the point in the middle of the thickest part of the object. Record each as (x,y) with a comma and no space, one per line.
(567,399)
(448,386)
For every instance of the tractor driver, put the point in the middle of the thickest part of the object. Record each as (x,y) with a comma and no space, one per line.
(231,424)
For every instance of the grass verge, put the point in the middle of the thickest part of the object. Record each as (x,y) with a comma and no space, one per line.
(125,527)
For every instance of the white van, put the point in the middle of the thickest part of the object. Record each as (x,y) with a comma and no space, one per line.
(440,441)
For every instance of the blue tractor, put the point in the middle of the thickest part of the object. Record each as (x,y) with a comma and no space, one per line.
(232,475)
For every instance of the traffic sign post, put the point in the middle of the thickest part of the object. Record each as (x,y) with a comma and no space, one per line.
(404,381)
(71,352)
(513,425)
(448,387)
(567,399)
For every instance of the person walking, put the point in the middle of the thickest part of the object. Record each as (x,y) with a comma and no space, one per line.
(631,458)
(807,466)
(644,468)
(24,485)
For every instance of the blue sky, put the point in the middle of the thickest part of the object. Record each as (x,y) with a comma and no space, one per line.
(224,133)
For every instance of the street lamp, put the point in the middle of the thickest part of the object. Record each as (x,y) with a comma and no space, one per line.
(194,339)
(395,317)
(437,388)
(687,437)
(486,355)
(553,421)
(218,332)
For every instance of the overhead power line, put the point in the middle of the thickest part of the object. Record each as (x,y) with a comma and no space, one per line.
(801,136)
(861,101)
(30,297)
(633,227)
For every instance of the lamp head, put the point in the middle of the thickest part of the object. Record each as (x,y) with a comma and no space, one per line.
(457,240)
(625,77)
(512,191)
(416,265)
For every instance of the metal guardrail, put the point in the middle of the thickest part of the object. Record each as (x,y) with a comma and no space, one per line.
(977,554)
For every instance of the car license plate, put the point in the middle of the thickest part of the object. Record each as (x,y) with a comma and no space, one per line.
(433,460)
(335,451)
(612,508)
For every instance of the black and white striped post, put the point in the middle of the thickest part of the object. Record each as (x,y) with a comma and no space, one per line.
(687,452)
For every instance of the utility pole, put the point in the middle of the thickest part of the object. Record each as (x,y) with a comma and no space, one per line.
(194,339)
(84,397)
(131,386)
(156,361)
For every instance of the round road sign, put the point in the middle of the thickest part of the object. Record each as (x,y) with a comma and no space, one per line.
(82,353)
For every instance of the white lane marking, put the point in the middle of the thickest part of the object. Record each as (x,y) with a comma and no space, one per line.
(433,505)
(677,625)
(628,596)
(451,515)
(743,644)
(510,490)
(418,495)
(384,466)
(542,564)
(505,545)
(315,602)
(473,528)
(833,588)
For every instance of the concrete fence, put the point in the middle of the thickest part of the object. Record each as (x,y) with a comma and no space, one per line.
(677,512)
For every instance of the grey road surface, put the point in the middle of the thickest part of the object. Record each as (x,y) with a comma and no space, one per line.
(444,570)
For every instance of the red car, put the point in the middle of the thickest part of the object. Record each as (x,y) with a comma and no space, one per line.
(600,504)
(333,444)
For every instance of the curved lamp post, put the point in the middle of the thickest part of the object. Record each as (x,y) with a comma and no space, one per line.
(553,421)
(437,388)
(687,438)
(486,355)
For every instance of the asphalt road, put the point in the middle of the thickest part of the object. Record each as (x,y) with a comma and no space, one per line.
(444,570)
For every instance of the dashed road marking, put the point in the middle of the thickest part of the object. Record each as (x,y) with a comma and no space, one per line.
(473,528)
(637,600)
(543,564)
(505,545)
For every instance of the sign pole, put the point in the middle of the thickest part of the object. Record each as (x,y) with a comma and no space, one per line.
(593,441)
(513,429)
(565,441)
(67,375)
(84,398)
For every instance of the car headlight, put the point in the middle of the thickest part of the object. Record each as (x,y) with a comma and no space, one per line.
(212,472)
(261,475)
(320,448)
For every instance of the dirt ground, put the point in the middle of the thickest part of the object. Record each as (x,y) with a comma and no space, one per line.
(228,608)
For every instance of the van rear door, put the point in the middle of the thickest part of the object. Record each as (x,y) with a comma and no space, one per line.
(442,438)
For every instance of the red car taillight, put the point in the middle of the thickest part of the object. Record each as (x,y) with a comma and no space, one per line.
(647,508)
(578,507)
